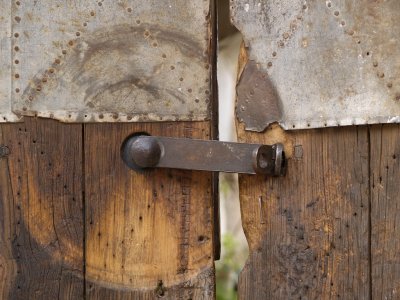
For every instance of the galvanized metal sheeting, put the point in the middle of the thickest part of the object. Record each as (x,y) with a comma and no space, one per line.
(105,61)
(5,63)
(326,63)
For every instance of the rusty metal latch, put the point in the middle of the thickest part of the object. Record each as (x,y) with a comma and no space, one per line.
(142,152)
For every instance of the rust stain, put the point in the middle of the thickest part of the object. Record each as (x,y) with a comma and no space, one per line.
(313,47)
(258,103)
(129,69)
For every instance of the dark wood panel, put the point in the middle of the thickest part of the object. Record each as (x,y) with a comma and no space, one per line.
(41,250)
(385,211)
(308,232)
(147,234)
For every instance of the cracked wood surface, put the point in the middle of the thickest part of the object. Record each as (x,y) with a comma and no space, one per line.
(385,211)
(77,223)
(41,253)
(329,229)
(153,230)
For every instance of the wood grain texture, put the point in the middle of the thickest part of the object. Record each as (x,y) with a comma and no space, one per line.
(385,210)
(8,267)
(308,232)
(41,252)
(199,287)
(147,234)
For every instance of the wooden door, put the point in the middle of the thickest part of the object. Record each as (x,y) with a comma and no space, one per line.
(78,77)
(75,221)
(329,228)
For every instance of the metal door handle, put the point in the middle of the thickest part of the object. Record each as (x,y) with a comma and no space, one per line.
(142,152)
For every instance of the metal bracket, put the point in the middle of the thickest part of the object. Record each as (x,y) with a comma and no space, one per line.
(141,152)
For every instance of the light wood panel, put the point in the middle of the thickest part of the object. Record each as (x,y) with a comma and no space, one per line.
(147,234)
(385,211)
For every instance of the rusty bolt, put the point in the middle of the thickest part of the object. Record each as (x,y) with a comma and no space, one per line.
(145,151)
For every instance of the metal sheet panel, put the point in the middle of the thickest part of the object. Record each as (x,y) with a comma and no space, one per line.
(5,63)
(106,60)
(326,63)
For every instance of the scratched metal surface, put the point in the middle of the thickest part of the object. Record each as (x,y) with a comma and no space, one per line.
(111,61)
(5,63)
(329,63)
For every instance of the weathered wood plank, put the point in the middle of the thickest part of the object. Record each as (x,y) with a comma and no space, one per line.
(308,232)
(8,268)
(41,250)
(147,234)
(199,287)
(385,209)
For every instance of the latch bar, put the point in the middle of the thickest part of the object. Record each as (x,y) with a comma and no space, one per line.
(142,152)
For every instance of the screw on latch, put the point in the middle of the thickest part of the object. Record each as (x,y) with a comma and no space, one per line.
(4,151)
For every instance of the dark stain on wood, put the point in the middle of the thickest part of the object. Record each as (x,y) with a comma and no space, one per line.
(144,227)
(80,224)
(258,103)
(314,243)
(41,211)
